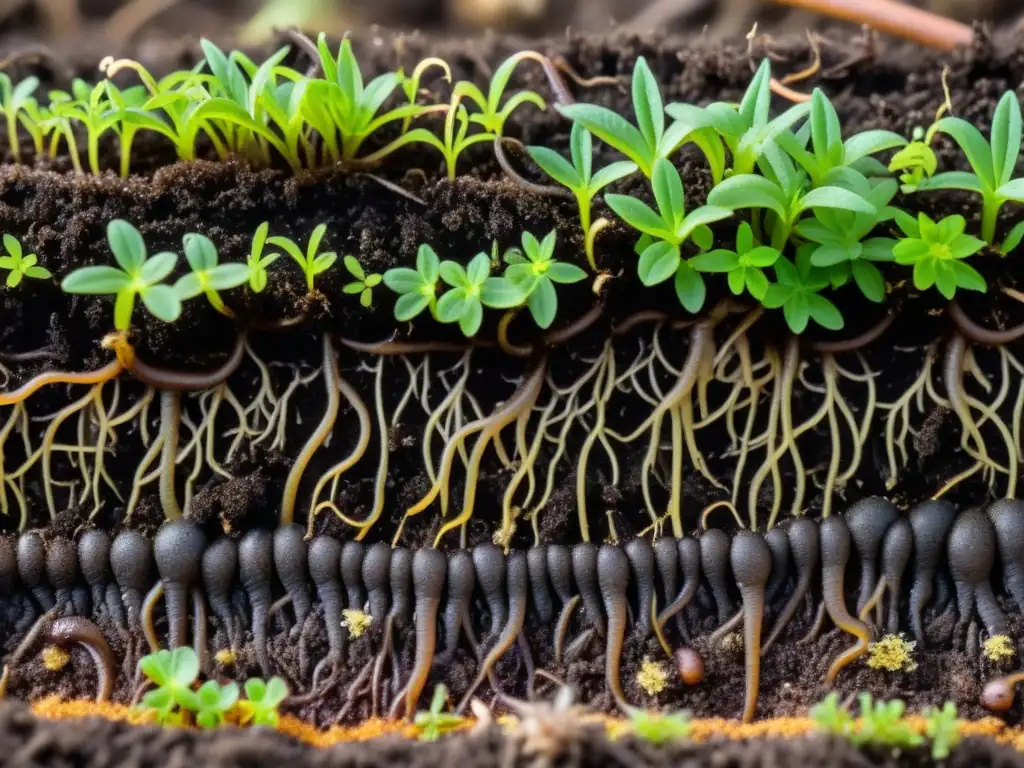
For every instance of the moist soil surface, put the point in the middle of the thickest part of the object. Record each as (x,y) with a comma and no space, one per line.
(62,217)
(28,741)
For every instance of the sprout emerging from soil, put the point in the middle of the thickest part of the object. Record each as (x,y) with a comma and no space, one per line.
(658,727)
(312,262)
(19,264)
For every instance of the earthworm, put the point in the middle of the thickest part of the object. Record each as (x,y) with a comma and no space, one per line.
(575,328)
(751,562)
(399,579)
(200,641)
(896,549)
(31,556)
(178,552)
(714,564)
(290,559)
(641,561)
(428,576)
(189,381)
(376,568)
(540,592)
(461,582)
(106,373)
(62,574)
(76,629)
(868,520)
(131,561)
(613,577)
(544,190)
(689,557)
(1007,517)
(219,565)
(805,547)
(778,542)
(971,551)
(835,552)
(979,334)
(518,593)
(392,347)
(146,616)
(931,522)
(560,573)
(324,569)
(352,554)
(666,560)
(255,574)
(857,342)
(584,571)
(94,563)
(489,564)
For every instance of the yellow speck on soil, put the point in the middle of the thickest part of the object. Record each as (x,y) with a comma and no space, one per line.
(53,708)
(892,653)
(998,648)
(54,658)
(356,621)
(652,677)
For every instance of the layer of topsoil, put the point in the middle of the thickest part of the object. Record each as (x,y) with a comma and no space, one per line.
(27,741)
(62,217)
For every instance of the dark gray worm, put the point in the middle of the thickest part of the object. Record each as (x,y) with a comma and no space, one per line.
(518,581)
(352,554)
(868,520)
(897,547)
(428,576)
(62,575)
(804,548)
(540,590)
(178,553)
(972,553)
(94,563)
(931,522)
(290,561)
(688,551)
(219,566)
(613,579)
(459,595)
(256,575)
(640,554)
(1007,517)
(489,563)
(751,562)
(325,570)
(31,556)
(560,574)
(714,564)
(584,571)
(376,570)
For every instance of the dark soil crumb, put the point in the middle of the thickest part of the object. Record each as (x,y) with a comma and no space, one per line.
(29,742)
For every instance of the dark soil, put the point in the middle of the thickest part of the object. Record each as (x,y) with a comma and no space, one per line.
(27,742)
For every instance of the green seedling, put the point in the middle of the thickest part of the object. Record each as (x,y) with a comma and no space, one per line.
(915,163)
(992,161)
(937,252)
(942,729)
(262,699)
(829,154)
(660,728)
(345,112)
(363,283)
(173,673)
(456,137)
(434,723)
(19,264)
(410,84)
(1013,239)
(797,292)
(649,140)
(535,270)
(312,262)
(256,263)
(782,190)
(579,178)
(666,231)
(119,101)
(14,105)
(833,718)
(882,724)
(137,275)
(842,247)
(211,703)
(493,114)
(746,129)
(416,288)
(744,267)
(207,276)
(472,288)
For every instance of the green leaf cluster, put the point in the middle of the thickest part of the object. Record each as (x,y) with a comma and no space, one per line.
(435,722)
(19,264)
(175,674)
(660,727)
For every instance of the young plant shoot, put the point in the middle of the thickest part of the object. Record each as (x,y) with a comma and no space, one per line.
(137,275)
(363,283)
(312,262)
(579,178)
(938,252)
(20,265)
(207,276)
(666,230)
(535,271)
(416,288)
(472,288)
(797,293)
